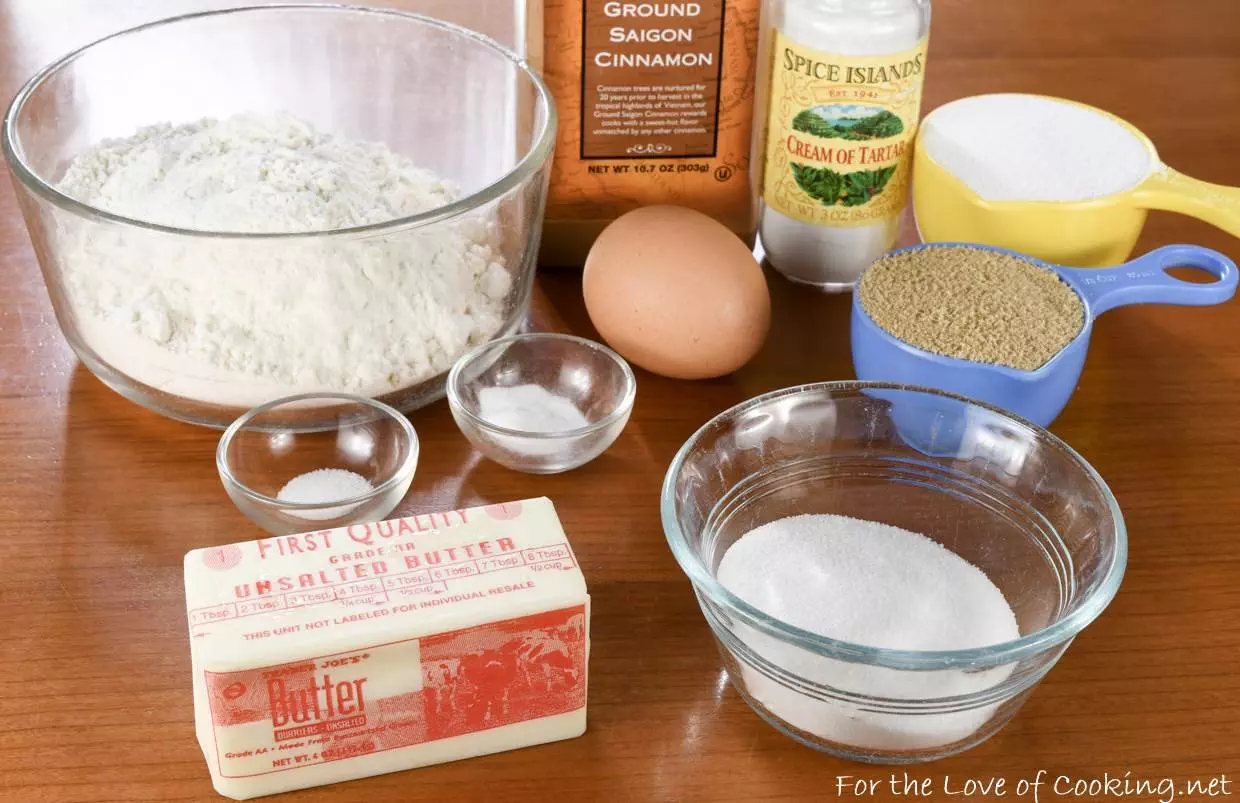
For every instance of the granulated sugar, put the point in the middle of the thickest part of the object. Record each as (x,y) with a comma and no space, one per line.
(876,585)
(973,304)
(866,583)
(1031,148)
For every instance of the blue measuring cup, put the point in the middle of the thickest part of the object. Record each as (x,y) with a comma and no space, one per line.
(1040,395)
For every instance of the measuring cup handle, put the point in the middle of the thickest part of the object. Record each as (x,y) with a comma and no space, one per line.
(1176,192)
(1145,280)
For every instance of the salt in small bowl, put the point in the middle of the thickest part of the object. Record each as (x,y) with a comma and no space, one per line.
(593,378)
(284,439)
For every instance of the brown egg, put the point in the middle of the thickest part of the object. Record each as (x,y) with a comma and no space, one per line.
(677,293)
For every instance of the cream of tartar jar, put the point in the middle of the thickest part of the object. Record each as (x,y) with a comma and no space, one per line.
(832,177)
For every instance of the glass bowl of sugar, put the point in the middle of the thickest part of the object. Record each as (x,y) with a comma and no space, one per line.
(889,571)
(317,461)
(541,402)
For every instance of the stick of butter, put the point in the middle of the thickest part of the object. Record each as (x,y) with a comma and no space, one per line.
(338,654)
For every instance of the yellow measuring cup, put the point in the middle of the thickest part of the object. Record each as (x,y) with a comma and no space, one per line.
(1085,234)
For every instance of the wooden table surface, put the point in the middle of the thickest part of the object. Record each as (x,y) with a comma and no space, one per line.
(100,499)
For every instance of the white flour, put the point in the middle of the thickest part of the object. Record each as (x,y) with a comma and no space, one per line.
(234,321)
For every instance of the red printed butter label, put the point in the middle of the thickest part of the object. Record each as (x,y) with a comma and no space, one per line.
(278,598)
(398,694)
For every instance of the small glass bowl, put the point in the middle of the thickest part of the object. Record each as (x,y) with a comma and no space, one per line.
(1001,493)
(594,378)
(273,443)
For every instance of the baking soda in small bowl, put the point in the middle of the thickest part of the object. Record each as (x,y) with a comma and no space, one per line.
(529,408)
(532,409)
(874,585)
(541,402)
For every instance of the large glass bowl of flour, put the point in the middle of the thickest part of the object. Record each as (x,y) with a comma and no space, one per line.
(889,571)
(236,206)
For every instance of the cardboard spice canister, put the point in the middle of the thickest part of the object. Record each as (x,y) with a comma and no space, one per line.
(655,103)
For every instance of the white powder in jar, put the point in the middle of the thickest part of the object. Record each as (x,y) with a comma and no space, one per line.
(1032,148)
(828,256)
(232,321)
(875,585)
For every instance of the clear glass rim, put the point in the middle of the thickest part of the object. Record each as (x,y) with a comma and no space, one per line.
(1092,603)
(623,407)
(530,162)
(383,411)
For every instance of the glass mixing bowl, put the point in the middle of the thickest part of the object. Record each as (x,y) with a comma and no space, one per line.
(453,101)
(1003,494)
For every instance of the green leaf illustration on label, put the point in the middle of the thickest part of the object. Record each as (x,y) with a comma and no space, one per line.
(820,183)
(865,184)
(846,189)
(848,122)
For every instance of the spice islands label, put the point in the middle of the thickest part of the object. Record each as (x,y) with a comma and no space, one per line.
(840,132)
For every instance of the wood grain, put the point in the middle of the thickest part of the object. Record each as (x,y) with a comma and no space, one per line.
(100,499)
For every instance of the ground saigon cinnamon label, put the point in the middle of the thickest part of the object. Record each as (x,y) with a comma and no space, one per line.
(655,105)
(840,129)
(650,78)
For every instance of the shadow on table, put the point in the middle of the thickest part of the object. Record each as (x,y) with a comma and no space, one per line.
(1146,394)
(136,492)
(135,475)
